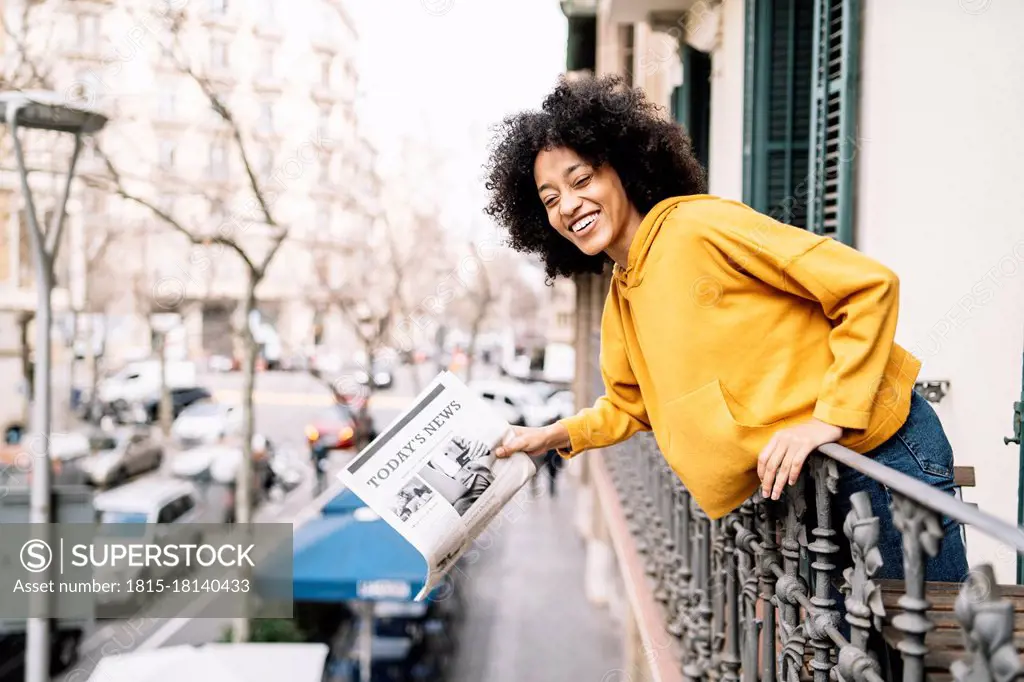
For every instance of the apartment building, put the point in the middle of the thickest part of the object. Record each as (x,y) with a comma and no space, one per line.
(287,72)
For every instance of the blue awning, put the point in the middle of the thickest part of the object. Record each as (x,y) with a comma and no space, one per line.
(345,503)
(338,558)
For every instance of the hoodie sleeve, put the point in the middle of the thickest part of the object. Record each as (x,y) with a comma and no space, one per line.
(858,294)
(620,412)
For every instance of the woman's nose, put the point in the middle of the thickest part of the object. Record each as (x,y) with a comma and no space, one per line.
(569,205)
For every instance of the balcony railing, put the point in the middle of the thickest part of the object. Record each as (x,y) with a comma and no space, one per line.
(752,596)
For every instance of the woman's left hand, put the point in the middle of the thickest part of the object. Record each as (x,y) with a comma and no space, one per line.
(783,457)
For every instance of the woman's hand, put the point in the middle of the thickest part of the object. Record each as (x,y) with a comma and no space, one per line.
(534,441)
(783,457)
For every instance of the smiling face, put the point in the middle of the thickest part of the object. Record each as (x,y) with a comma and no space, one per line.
(586,205)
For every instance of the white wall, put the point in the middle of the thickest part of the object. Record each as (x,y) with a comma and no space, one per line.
(940,201)
(725,177)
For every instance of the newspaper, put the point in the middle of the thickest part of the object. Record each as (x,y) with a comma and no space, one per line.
(432,475)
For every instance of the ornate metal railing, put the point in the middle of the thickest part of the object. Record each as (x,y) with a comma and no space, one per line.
(752,596)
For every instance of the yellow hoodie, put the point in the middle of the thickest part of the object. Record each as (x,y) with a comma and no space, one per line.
(727,326)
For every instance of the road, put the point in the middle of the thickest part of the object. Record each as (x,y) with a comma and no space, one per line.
(285,402)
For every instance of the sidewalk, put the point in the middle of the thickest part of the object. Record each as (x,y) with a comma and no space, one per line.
(527,615)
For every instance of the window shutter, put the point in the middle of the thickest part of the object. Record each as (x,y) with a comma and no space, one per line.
(833,117)
(691,101)
(779,61)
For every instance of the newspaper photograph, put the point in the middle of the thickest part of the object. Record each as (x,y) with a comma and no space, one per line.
(432,474)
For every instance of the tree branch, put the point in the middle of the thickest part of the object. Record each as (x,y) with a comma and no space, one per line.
(194,238)
(222,110)
(38,78)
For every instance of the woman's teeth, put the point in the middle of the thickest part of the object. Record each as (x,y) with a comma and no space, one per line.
(583,223)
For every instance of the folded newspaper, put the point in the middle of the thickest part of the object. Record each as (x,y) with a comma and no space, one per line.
(432,475)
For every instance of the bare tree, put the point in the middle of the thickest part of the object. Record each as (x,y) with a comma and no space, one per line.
(256,261)
(366,291)
(96,298)
(255,249)
(475,305)
(255,253)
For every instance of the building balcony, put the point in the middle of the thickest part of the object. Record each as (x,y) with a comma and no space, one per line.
(325,94)
(23,299)
(624,11)
(91,56)
(223,21)
(759,589)
(268,84)
(171,122)
(268,30)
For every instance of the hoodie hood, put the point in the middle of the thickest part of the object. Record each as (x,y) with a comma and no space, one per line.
(650,226)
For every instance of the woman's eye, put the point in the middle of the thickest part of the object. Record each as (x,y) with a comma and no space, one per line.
(550,201)
(582,181)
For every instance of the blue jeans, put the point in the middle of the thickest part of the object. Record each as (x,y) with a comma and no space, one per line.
(921,450)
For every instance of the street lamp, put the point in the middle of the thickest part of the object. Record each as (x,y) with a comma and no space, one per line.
(43,111)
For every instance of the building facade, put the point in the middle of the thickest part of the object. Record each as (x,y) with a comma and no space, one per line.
(288,75)
(888,126)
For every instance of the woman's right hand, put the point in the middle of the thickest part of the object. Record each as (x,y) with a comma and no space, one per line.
(534,441)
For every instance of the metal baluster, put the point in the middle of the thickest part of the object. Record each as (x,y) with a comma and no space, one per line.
(922,534)
(663,564)
(699,662)
(639,507)
(731,656)
(685,573)
(988,631)
(791,629)
(826,478)
(680,575)
(717,586)
(769,557)
(864,608)
(691,654)
(748,591)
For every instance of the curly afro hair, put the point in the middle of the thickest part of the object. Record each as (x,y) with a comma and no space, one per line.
(604,121)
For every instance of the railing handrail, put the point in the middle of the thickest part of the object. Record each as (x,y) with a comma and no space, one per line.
(927,496)
(753,594)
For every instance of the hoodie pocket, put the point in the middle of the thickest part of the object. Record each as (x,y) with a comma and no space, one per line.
(707,447)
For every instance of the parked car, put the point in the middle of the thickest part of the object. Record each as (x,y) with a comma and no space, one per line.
(295,362)
(334,428)
(561,400)
(564,402)
(67,451)
(130,511)
(408,644)
(206,422)
(287,472)
(518,404)
(181,398)
(220,363)
(326,363)
(65,638)
(224,469)
(138,382)
(218,463)
(118,456)
(382,377)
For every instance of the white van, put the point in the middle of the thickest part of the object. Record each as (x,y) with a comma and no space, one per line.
(150,511)
(140,381)
(516,403)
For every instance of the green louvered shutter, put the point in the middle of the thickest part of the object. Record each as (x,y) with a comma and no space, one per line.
(779,60)
(834,118)
(691,101)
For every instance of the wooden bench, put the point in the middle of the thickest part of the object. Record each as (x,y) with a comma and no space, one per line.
(963,477)
(946,642)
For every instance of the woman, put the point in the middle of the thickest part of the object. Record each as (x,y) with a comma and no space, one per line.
(741,342)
